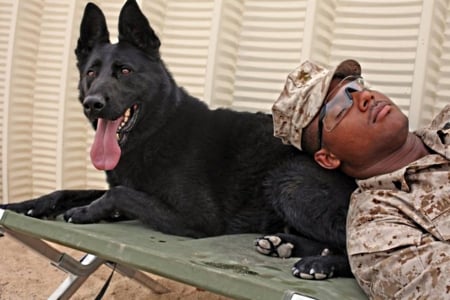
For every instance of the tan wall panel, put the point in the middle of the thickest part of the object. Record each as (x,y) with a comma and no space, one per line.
(227,53)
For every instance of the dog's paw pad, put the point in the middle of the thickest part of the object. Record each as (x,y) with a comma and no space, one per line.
(308,268)
(274,246)
(296,272)
(321,276)
(311,275)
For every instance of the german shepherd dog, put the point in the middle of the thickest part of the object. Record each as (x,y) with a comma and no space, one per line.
(184,169)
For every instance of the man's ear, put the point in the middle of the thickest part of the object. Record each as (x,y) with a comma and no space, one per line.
(326,159)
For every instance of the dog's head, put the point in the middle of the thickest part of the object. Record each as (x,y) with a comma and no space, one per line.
(116,80)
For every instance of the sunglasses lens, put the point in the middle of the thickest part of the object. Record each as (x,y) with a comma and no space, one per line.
(338,106)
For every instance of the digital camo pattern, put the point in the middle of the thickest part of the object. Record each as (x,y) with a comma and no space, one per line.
(300,101)
(398,234)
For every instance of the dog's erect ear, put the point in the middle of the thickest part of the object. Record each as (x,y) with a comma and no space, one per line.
(93,31)
(134,28)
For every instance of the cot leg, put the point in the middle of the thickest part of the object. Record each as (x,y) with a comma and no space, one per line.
(79,271)
(141,277)
(73,282)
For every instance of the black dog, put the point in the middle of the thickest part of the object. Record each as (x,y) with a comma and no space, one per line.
(184,169)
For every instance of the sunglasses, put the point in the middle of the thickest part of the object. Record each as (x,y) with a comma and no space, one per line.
(337,107)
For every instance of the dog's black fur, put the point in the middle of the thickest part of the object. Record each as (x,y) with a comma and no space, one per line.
(187,170)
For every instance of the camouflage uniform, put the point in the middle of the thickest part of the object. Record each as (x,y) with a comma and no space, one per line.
(398,226)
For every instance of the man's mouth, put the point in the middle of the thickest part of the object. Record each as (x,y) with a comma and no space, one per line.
(110,136)
(379,111)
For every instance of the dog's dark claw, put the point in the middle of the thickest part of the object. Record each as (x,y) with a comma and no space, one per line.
(326,252)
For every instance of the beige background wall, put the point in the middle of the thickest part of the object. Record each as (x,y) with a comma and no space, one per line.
(233,53)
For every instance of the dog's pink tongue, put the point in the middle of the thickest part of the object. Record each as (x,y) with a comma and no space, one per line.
(105,152)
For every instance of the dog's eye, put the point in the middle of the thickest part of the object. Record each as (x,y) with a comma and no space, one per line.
(91,73)
(125,71)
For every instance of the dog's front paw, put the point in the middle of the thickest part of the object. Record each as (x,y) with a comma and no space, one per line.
(313,267)
(274,245)
(80,215)
(26,207)
(43,207)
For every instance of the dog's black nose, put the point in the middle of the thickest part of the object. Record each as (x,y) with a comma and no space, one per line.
(93,104)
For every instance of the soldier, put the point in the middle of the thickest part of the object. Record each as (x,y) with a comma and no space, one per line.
(398,224)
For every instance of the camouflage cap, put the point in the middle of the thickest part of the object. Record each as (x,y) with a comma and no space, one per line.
(301,99)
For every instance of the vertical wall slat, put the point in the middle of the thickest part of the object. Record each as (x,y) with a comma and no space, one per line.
(48,98)
(8,18)
(421,72)
(185,42)
(442,92)
(222,67)
(270,44)
(20,110)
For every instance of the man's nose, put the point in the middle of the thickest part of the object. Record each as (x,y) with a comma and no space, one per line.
(363,99)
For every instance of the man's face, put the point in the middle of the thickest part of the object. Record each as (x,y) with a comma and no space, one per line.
(372,128)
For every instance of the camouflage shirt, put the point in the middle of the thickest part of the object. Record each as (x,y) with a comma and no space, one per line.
(398,226)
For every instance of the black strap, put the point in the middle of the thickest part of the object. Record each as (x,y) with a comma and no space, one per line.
(106,285)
